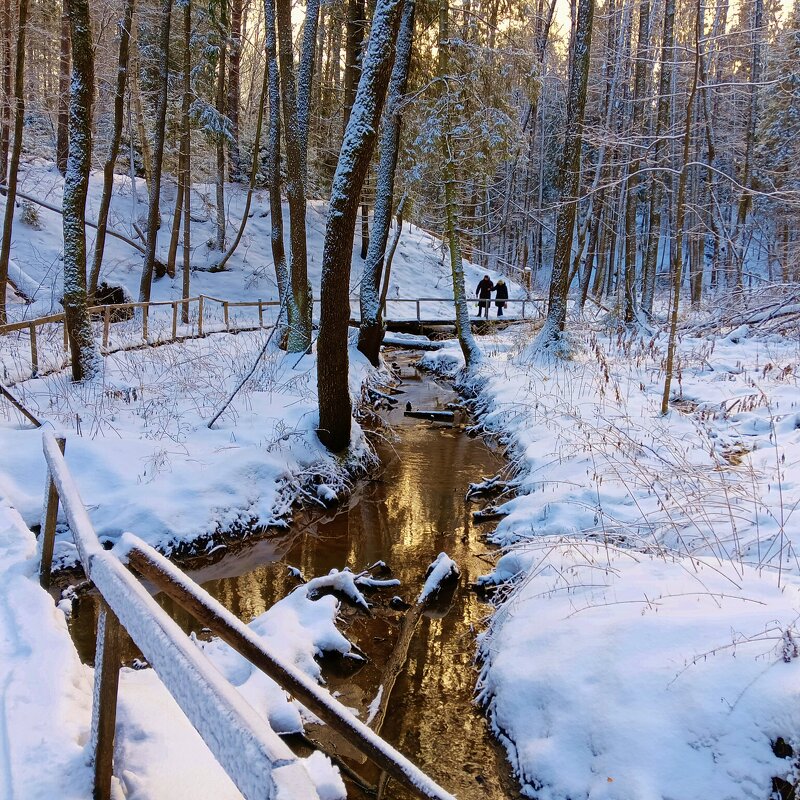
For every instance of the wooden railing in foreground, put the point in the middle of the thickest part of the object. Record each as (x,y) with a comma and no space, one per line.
(254,756)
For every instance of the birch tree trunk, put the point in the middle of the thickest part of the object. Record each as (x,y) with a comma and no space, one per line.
(16,150)
(370,334)
(84,354)
(333,387)
(113,150)
(158,155)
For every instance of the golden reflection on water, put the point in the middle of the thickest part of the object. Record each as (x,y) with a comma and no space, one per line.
(413,511)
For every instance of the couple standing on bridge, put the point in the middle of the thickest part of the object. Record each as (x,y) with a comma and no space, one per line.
(484,295)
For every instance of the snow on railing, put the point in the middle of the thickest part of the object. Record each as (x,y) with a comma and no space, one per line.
(42,344)
(256,759)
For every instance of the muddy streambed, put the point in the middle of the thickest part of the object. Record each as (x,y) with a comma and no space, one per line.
(412,511)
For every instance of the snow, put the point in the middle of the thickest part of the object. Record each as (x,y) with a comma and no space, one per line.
(442,569)
(649,591)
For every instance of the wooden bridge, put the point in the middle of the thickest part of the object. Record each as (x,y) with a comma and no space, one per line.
(258,761)
(41,345)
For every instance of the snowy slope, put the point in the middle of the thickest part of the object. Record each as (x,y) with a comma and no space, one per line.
(419,268)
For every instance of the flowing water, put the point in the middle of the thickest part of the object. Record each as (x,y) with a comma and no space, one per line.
(412,511)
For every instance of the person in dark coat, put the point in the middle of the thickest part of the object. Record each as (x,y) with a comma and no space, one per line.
(501,295)
(484,295)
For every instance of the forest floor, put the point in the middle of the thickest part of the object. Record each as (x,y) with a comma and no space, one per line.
(644,642)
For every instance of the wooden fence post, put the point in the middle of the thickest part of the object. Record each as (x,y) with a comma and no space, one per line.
(523,309)
(260,314)
(225,315)
(145,310)
(418,314)
(174,320)
(200,316)
(104,701)
(106,325)
(34,351)
(49,527)
(66,339)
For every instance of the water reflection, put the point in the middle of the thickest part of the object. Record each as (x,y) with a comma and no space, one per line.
(411,512)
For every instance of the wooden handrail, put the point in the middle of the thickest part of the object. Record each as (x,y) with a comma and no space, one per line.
(252,754)
(166,577)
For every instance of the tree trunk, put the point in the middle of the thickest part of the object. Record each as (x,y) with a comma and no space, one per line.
(650,263)
(158,154)
(332,357)
(639,82)
(62,135)
(16,150)
(219,141)
(370,334)
(233,95)
(469,348)
(274,170)
(570,168)
(300,307)
(680,215)
(746,198)
(186,151)
(5,109)
(85,358)
(113,150)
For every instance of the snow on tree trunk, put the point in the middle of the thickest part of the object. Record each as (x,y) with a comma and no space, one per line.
(85,357)
(305,79)
(158,154)
(16,150)
(354,158)
(570,167)
(299,339)
(219,141)
(5,98)
(113,150)
(370,334)
(234,91)
(186,148)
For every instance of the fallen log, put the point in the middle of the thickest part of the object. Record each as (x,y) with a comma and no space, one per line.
(488,514)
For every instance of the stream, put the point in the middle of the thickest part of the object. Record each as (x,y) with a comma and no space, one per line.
(413,510)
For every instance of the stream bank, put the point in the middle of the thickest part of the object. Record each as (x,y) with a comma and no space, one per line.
(412,510)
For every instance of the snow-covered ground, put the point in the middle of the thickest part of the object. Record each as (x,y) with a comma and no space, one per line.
(645,642)
(419,268)
(645,639)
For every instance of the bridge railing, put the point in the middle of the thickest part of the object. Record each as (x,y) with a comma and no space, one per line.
(257,760)
(39,346)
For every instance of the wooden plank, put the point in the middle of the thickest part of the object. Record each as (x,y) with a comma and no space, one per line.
(169,579)
(49,527)
(104,701)
(34,352)
(106,325)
